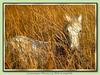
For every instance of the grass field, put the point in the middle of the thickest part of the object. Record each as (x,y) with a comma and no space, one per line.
(42,22)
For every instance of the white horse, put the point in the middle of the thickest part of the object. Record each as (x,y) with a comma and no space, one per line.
(73,28)
(36,49)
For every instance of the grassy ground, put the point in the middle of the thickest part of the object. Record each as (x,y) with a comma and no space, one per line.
(42,23)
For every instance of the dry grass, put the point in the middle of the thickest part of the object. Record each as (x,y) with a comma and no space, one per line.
(42,23)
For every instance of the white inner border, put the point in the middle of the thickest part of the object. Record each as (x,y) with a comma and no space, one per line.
(70,70)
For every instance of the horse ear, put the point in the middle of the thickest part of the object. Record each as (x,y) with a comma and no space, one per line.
(68,18)
(80,18)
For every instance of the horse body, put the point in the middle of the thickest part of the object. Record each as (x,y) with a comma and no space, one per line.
(37,50)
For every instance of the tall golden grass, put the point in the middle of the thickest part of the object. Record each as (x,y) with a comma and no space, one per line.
(42,22)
